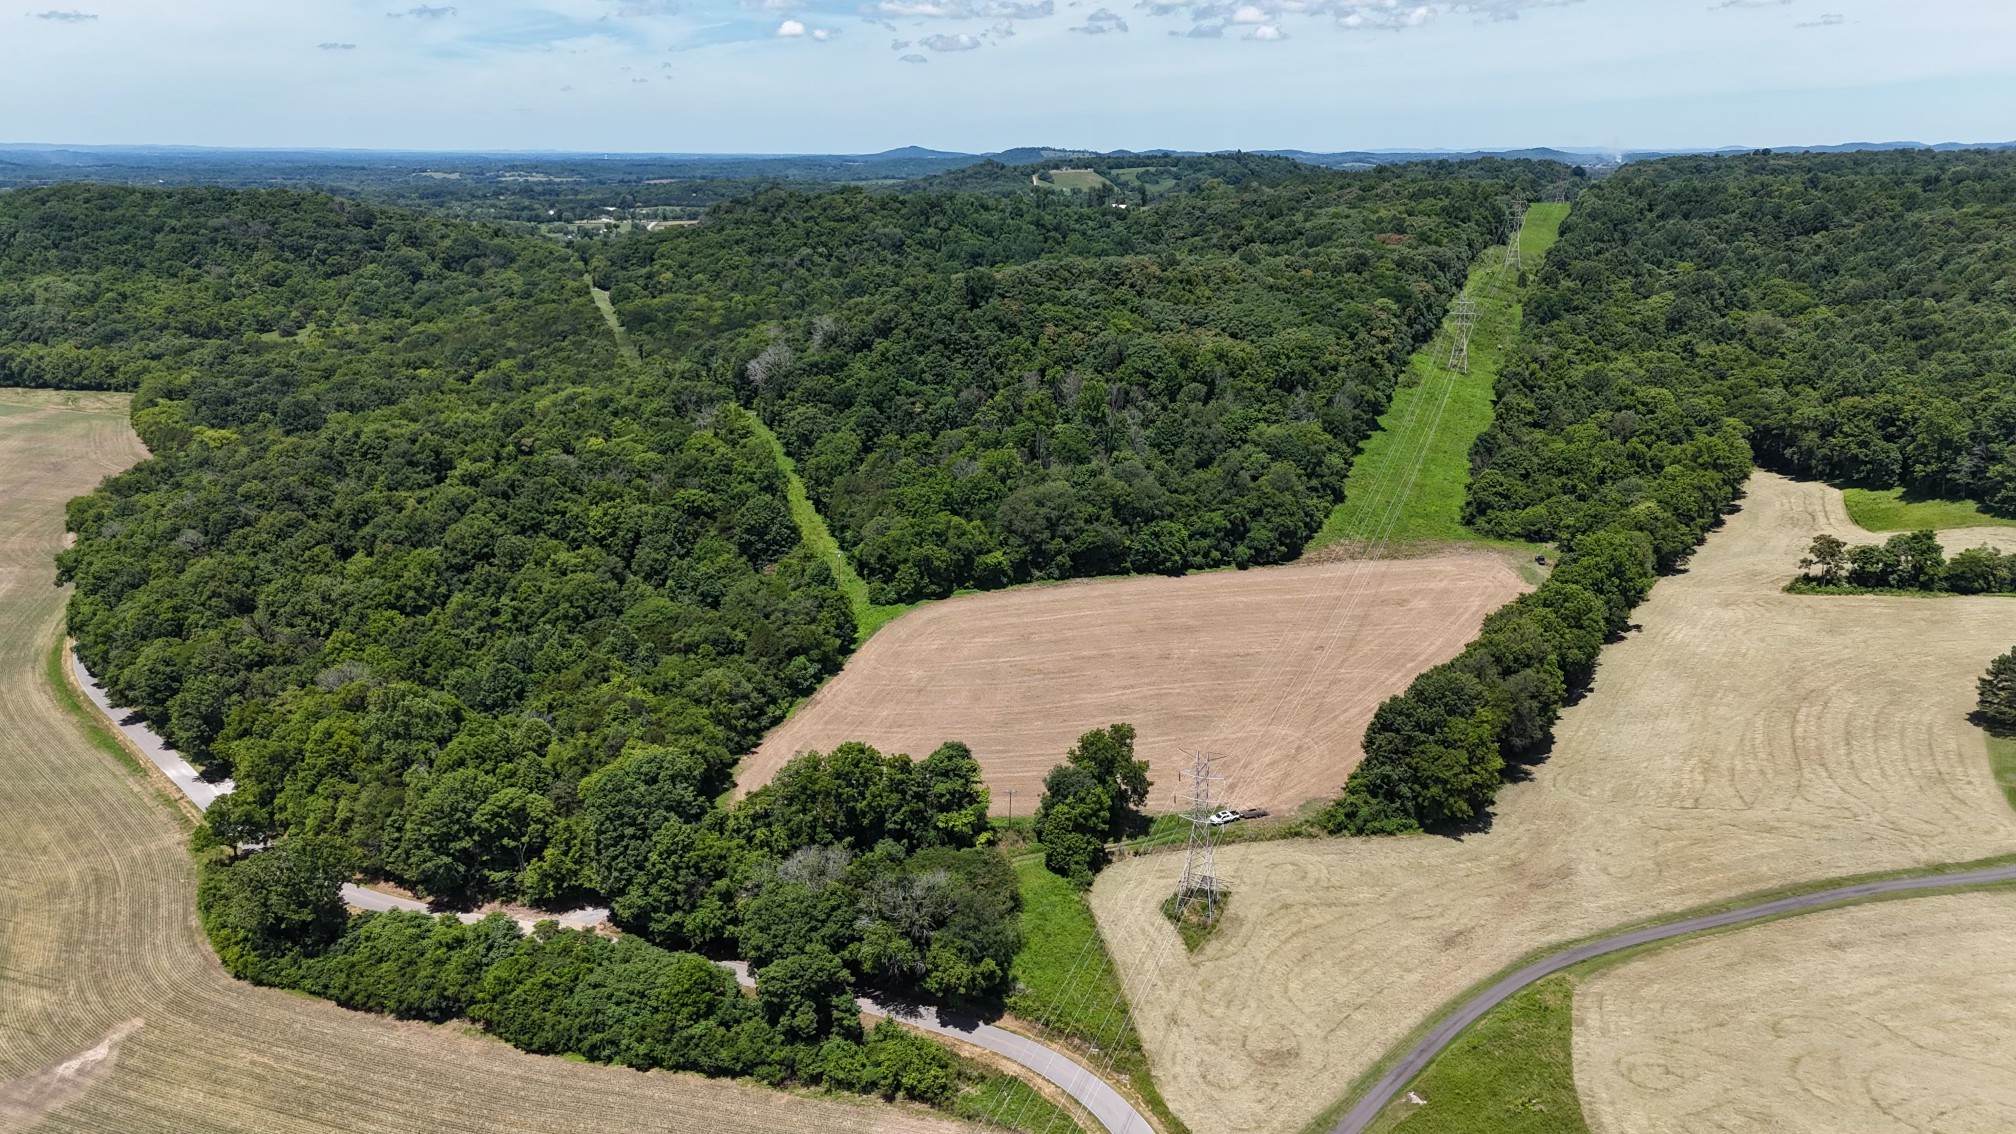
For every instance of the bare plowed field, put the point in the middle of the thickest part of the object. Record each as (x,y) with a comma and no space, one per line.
(115,1017)
(1884,1019)
(1744,739)
(1281,668)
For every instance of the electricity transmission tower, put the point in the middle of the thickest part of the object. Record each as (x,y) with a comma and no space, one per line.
(1462,317)
(1200,787)
(1512,257)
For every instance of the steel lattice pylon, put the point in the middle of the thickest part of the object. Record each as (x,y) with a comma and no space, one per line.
(1513,257)
(1199,795)
(1462,317)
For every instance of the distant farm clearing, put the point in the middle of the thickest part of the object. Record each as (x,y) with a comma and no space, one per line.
(1085,179)
(1278,668)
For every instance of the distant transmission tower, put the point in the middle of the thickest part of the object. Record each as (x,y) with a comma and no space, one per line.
(1513,260)
(1462,317)
(1200,870)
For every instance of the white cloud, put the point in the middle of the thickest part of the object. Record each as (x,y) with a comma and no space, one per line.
(70,17)
(337,46)
(1829,20)
(913,59)
(960,42)
(425,12)
(1002,30)
(1102,21)
(1249,14)
(790,28)
(1267,33)
(967,9)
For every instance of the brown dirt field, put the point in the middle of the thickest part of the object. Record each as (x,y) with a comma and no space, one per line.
(115,1017)
(1744,739)
(1893,1018)
(1279,668)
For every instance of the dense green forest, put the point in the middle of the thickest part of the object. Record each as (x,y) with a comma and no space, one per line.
(983,390)
(1844,316)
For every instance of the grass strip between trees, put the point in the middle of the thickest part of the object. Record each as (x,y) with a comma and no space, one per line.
(1889,510)
(1442,411)
(868,616)
(1065,981)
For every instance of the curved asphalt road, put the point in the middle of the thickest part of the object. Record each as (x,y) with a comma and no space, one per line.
(1107,1105)
(1440,1036)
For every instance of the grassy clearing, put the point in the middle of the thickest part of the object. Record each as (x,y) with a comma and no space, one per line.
(1891,510)
(1422,445)
(1066,980)
(1068,179)
(2002,761)
(1004,1100)
(624,346)
(1512,1072)
(868,616)
(1066,983)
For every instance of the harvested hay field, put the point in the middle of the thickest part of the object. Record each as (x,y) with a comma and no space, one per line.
(117,1017)
(1281,666)
(1744,739)
(1892,1018)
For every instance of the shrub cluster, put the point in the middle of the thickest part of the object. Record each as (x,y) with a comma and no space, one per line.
(1908,561)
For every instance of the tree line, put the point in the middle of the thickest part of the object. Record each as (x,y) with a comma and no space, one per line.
(850,870)
(1908,561)
(1834,315)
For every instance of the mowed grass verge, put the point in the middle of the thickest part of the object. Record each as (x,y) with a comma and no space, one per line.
(2002,761)
(1407,483)
(1067,986)
(868,616)
(1891,510)
(1511,1072)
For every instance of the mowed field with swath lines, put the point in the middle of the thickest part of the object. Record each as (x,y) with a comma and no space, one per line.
(115,1017)
(1280,668)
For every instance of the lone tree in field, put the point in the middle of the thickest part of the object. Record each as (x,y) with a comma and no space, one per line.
(1095,795)
(1998,692)
(1830,555)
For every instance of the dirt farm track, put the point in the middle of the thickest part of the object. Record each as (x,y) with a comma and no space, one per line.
(1743,740)
(1282,664)
(115,1017)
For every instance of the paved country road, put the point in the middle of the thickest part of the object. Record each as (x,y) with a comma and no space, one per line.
(1096,1095)
(1362,1114)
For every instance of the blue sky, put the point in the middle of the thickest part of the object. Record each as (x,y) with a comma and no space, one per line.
(863,75)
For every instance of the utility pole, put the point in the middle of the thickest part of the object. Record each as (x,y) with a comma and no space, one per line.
(1011,803)
(1200,792)
(1513,259)
(1462,317)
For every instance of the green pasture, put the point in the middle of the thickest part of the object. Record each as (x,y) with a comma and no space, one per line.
(1894,510)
